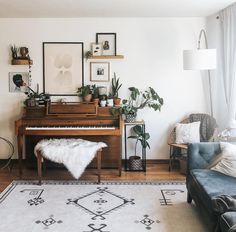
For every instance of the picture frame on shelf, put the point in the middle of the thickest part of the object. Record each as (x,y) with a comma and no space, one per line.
(63,68)
(97,49)
(108,41)
(100,71)
(18,82)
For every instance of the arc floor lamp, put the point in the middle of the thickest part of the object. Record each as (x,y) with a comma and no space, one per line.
(201,59)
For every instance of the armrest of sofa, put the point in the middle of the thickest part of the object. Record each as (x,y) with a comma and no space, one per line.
(200,154)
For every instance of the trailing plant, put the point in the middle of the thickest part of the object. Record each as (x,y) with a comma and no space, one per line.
(88,54)
(140,136)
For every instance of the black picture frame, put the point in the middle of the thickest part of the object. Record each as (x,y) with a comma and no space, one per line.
(100,38)
(63,61)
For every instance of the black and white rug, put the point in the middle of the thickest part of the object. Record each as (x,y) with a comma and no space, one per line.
(70,206)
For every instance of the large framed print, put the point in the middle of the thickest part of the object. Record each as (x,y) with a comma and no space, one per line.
(63,67)
(108,41)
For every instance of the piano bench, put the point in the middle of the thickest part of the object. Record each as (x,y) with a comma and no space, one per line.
(39,164)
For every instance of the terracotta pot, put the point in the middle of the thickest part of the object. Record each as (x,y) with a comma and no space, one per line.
(88,98)
(117,101)
(96,101)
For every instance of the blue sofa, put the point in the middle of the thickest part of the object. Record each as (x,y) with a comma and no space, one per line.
(204,185)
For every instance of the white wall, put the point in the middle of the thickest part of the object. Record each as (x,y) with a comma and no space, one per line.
(153,57)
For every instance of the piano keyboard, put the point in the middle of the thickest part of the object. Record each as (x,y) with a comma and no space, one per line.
(56,128)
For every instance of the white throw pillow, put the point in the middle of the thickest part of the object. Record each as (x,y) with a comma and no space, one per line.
(188,133)
(227,163)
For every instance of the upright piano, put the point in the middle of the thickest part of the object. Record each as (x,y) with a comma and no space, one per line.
(61,120)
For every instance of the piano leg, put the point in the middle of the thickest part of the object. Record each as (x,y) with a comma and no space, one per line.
(39,161)
(20,153)
(99,154)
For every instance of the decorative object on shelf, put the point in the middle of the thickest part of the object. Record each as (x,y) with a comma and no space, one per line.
(201,59)
(115,86)
(108,41)
(135,162)
(20,56)
(96,49)
(88,54)
(139,100)
(85,92)
(18,81)
(100,71)
(63,67)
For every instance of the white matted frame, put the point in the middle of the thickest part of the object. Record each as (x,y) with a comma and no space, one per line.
(18,82)
(100,71)
(108,41)
(63,67)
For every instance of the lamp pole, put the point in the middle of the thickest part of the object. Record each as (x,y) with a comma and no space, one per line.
(203,32)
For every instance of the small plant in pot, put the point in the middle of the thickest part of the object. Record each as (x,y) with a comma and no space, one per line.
(95,94)
(85,92)
(115,86)
(135,162)
(34,97)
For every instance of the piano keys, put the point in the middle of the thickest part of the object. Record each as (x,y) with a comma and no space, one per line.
(71,120)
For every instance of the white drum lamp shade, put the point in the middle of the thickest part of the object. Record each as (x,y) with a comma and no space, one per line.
(200,59)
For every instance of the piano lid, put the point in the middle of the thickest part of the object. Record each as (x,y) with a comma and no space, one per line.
(71,109)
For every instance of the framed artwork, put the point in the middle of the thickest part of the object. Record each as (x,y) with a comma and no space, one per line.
(18,81)
(96,49)
(63,67)
(108,41)
(99,71)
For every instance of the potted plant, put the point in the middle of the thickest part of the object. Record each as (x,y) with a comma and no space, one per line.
(115,86)
(135,162)
(85,92)
(34,97)
(139,100)
(110,100)
(95,94)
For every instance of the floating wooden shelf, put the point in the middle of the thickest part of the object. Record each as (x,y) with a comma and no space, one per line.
(21,62)
(107,57)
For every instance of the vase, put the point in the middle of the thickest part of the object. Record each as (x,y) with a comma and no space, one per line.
(88,98)
(130,117)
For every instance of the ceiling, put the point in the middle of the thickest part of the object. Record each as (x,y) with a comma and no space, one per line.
(110,8)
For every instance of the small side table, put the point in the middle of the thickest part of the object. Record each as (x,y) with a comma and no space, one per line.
(126,125)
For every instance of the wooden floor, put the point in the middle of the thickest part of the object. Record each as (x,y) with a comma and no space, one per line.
(155,172)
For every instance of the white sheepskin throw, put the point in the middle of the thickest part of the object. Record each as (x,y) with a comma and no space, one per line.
(75,154)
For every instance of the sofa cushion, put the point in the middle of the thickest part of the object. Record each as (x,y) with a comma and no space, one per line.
(228,222)
(207,184)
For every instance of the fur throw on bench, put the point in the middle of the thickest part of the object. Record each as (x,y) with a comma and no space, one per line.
(75,154)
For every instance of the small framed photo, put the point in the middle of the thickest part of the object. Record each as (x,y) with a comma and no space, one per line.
(108,41)
(97,49)
(99,71)
(18,81)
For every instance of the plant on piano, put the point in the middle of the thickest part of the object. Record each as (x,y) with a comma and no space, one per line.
(135,162)
(85,92)
(115,86)
(34,97)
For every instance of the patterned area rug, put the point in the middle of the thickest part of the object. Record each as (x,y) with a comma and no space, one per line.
(70,206)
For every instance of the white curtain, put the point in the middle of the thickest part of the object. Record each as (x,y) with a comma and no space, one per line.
(228,56)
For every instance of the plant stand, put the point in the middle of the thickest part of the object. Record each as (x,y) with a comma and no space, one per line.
(143,158)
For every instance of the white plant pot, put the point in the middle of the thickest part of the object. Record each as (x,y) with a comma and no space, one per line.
(110,102)
(103,103)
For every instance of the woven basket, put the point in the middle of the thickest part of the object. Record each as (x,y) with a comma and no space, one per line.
(135,163)
(130,117)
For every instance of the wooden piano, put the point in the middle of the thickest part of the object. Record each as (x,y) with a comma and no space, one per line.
(82,120)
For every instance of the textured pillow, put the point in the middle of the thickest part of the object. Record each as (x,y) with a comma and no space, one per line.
(227,163)
(224,203)
(188,133)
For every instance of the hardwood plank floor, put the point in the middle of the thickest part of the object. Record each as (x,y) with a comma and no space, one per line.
(155,172)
